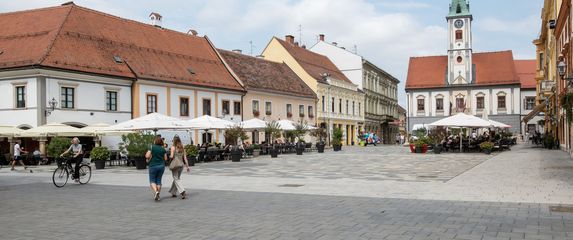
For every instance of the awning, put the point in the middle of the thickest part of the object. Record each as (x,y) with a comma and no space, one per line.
(536,110)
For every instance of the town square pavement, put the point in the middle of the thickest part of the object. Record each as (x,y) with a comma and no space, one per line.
(359,193)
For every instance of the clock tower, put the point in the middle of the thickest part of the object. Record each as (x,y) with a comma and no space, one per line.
(460,66)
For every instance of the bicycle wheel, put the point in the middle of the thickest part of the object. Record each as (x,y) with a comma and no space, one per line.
(85,174)
(60,177)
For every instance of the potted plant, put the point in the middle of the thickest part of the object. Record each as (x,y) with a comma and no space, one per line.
(436,137)
(289,115)
(256,150)
(486,147)
(421,145)
(136,145)
(235,134)
(549,141)
(319,133)
(273,129)
(100,155)
(192,152)
(56,147)
(299,132)
(337,139)
(256,113)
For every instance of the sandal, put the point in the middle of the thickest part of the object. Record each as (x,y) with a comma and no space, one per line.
(183,195)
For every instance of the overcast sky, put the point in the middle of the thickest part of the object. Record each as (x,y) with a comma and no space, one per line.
(386,32)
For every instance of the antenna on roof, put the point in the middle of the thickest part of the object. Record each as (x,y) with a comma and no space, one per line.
(251,44)
(300,33)
(355,49)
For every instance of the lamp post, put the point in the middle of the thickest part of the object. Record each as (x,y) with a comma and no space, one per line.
(51,107)
(561,69)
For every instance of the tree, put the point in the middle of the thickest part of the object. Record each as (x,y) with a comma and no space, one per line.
(273,129)
(235,133)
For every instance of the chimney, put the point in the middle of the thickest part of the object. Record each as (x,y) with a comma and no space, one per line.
(155,19)
(239,51)
(192,32)
(321,37)
(289,39)
(335,43)
(303,46)
(296,44)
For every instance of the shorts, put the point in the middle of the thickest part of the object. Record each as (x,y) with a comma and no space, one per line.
(156,173)
(17,158)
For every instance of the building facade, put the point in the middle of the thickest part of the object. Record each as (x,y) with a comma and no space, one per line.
(274,92)
(92,73)
(380,88)
(340,102)
(475,83)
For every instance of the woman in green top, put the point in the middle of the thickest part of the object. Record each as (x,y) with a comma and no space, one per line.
(156,158)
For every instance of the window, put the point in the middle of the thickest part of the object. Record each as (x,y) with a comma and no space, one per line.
(111,101)
(340,105)
(67,97)
(289,110)
(301,110)
(421,106)
(359,109)
(268,108)
(347,108)
(184,107)
(459,35)
(207,107)
(323,105)
(226,107)
(255,106)
(529,103)
(310,112)
(501,102)
(237,108)
(440,104)
(540,67)
(353,112)
(20,97)
(480,102)
(332,103)
(151,103)
(460,103)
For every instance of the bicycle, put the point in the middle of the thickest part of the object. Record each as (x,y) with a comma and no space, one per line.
(65,171)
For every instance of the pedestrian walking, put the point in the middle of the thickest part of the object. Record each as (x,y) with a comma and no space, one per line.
(18,155)
(156,157)
(178,162)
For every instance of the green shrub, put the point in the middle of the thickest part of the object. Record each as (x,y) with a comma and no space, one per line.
(256,146)
(100,154)
(337,136)
(486,145)
(191,150)
(136,144)
(57,146)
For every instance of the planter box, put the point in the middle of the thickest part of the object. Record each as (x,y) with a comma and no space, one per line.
(274,153)
(337,148)
(140,163)
(100,164)
(320,148)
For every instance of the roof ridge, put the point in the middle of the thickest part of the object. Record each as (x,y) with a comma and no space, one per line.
(133,21)
(247,56)
(49,48)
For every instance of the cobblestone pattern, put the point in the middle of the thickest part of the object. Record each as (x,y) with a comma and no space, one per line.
(40,211)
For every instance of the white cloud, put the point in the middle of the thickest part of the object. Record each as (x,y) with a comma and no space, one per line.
(404,5)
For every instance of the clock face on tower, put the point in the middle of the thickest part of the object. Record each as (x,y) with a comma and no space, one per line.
(459,23)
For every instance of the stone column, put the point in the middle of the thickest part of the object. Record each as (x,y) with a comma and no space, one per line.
(42,149)
(12,142)
(97,141)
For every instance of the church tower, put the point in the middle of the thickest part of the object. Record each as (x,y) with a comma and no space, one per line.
(460,66)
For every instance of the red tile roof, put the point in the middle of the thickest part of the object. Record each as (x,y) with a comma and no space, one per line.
(492,68)
(264,75)
(314,63)
(526,71)
(80,39)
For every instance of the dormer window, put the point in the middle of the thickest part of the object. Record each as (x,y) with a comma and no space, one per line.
(155,19)
(117,59)
(190,70)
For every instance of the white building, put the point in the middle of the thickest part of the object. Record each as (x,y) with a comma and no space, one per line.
(95,73)
(380,88)
(464,81)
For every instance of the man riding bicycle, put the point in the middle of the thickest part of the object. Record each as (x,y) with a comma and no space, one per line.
(76,149)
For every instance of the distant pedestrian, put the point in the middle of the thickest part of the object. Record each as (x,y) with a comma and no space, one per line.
(156,158)
(178,162)
(18,155)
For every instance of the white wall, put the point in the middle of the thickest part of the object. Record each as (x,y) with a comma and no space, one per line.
(18,117)
(176,94)
(343,59)
(161,93)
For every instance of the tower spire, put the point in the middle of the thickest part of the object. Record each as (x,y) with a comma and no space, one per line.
(459,8)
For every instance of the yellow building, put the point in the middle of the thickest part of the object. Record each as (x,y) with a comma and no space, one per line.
(340,103)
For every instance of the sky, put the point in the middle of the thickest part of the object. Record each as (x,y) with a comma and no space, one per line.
(386,32)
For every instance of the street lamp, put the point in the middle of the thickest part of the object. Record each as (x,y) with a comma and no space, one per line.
(561,67)
(51,107)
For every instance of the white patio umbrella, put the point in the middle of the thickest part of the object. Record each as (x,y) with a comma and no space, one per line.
(207,122)
(254,124)
(286,125)
(9,131)
(152,121)
(462,120)
(101,129)
(54,130)
(497,124)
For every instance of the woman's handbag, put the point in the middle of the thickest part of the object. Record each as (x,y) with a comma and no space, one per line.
(176,163)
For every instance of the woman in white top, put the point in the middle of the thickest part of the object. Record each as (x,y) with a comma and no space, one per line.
(76,149)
